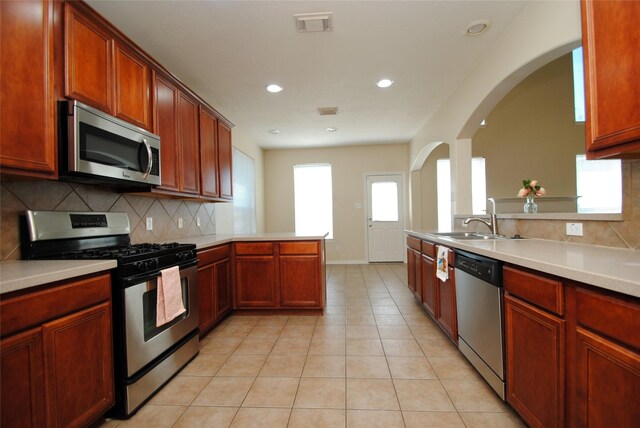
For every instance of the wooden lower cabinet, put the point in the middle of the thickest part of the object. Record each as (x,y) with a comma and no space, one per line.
(22,389)
(256,282)
(78,366)
(535,361)
(608,382)
(299,276)
(278,275)
(57,363)
(214,286)
(447,310)
(607,353)
(429,286)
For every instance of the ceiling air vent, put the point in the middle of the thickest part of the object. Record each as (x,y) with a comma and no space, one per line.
(313,22)
(327,111)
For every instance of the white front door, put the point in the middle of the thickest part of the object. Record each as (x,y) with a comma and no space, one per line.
(385,218)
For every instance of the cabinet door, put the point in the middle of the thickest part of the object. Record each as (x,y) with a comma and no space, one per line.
(188,143)
(299,281)
(22,389)
(208,154)
(429,288)
(608,382)
(133,88)
(78,366)
(88,60)
(418,275)
(447,306)
(166,126)
(611,37)
(206,298)
(225,159)
(255,282)
(535,363)
(411,270)
(223,288)
(26,42)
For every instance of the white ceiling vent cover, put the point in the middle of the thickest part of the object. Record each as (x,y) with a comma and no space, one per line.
(314,22)
(327,111)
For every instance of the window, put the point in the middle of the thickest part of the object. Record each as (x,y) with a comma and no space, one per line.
(443,177)
(244,193)
(478,190)
(384,201)
(313,199)
(599,185)
(578,85)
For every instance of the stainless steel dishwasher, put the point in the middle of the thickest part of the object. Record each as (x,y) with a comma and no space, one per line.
(480,315)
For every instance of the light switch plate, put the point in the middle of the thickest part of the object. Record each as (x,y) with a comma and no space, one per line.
(198,222)
(179,222)
(574,229)
(149,223)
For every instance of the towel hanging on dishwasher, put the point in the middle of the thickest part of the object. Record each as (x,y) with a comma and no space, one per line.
(442,263)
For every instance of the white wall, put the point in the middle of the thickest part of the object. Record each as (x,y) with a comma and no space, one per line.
(543,31)
(349,166)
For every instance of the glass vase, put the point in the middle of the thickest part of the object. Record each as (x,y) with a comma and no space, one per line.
(530,207)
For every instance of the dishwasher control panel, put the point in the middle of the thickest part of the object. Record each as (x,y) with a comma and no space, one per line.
(488,270)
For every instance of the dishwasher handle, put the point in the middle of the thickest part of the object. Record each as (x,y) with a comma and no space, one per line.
(488,270)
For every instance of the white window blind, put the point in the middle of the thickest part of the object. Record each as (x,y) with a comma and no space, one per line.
(313,199)
(244,193)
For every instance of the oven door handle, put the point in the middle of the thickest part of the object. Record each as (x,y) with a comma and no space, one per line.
(133,280)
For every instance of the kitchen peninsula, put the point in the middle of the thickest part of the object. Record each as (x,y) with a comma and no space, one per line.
(571,317)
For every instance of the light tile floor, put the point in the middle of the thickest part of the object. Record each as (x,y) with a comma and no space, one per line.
(375,359)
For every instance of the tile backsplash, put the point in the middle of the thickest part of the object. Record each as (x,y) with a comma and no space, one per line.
(621,234)
(19,196)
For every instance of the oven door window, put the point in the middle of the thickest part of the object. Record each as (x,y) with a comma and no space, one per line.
(106,148)
(149,306)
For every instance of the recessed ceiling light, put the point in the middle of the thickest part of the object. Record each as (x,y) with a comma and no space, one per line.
(331,129)
(274,88)
(384,83)
(475,28)
(273,131)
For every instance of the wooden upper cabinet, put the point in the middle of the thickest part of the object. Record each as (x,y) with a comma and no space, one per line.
(225,156)
(133,83)
(88,61)
(166,126)
(611,40)
(208,153)
(28,137)
(188,144)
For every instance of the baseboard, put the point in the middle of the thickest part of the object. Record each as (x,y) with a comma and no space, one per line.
(347,262)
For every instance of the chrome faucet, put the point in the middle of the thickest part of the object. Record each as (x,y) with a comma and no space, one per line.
(492,224)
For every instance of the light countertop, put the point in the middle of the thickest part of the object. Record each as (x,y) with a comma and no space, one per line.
(610,268)
(20,274)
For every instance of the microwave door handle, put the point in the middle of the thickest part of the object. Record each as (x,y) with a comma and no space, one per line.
(150,157)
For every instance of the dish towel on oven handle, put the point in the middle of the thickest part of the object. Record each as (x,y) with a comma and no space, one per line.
(442,263)
(169,300)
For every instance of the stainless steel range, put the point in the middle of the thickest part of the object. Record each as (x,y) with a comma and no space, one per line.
(146,356)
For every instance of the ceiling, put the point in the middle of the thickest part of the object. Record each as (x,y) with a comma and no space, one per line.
(228,51)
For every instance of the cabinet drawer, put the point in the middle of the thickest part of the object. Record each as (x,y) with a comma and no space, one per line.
(214,254)
(253,248)
(299,248)
(616,318)
(413,243)
(429,249)
(543,292)
(20,312)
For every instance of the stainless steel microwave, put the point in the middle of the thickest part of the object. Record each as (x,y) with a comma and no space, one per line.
(103,148)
